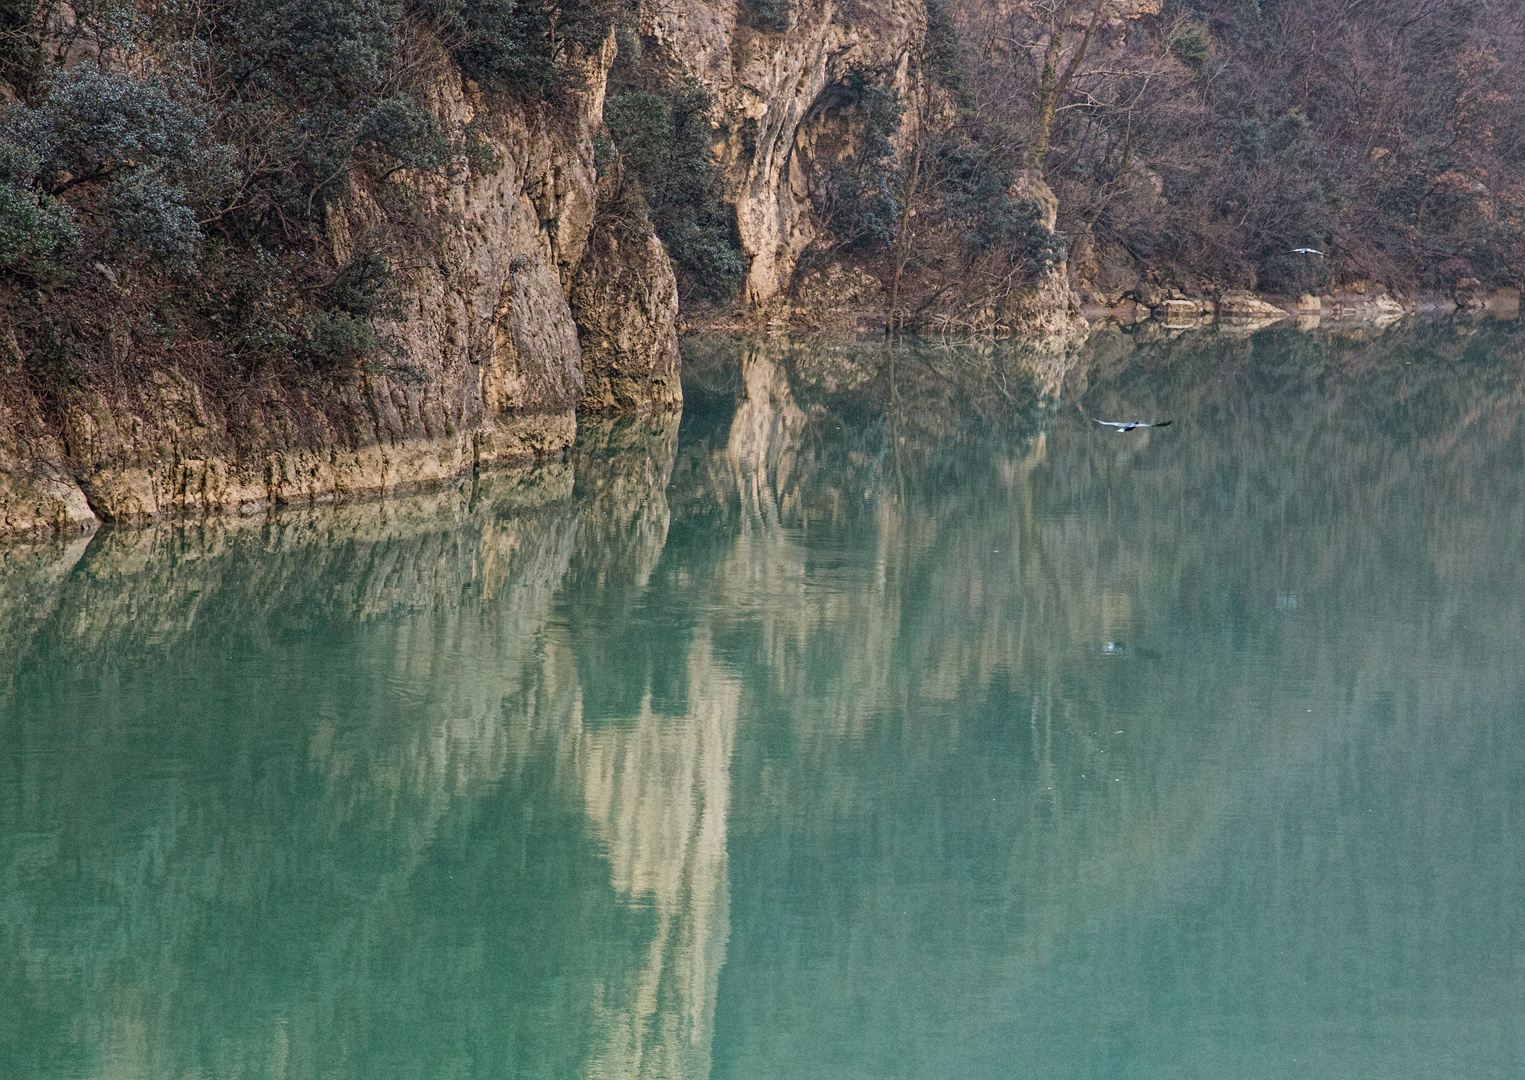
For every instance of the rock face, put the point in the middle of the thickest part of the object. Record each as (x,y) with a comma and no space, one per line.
(1049,311)
(779,95)
(489,364)
(39,498)
(625,299)
(189,463)
(1246,305)
(787,111)
(490,319)
(38,495)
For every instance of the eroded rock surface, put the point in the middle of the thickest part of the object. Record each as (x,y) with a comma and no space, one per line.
(779,97)
(487,366)
(625,298)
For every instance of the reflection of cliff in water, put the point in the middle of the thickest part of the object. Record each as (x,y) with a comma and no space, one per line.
(1304,476)
(1337,460)
(439,752)
(636,697)
(657,789)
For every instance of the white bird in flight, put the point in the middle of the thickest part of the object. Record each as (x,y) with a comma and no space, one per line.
(1129,425)
(1306,251)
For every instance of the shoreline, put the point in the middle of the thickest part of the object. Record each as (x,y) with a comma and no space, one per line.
(1234,309)
(1358,307)
(45,494)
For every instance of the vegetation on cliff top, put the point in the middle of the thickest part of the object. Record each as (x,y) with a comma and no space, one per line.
(195,150)
(195,153)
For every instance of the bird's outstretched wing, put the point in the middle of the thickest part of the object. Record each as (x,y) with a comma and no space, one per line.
(1306,251)
(1129,425)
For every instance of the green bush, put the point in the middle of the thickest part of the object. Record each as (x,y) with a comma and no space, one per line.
(95,125)
(706,258)
(335,342)
(973,195)
(527,46)
(662,148)
(148,214)
(769,16)
(256,116)
(20,42)
(640,124)
(861,197)
(38,233)
(324,52)
(1193,44)
(272,308)
(398,133)
(316,88)
(941,56)
(130,145)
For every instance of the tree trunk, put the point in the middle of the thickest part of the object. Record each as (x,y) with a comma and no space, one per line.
(1054,84)
(903,238)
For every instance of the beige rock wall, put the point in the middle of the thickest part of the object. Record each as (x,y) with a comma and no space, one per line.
(172,454)
(773,92)
(625,299)
(38,497)
(489,363)
(785,114)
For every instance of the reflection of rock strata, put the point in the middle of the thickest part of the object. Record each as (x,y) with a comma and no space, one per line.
(445,683)
(480,565)
(33,581)
(657,790)
(622,468)
(764,433)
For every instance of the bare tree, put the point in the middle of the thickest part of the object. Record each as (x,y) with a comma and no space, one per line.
(905,238)
(1054,82)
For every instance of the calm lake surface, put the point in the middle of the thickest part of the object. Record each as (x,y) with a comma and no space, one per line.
(877,721)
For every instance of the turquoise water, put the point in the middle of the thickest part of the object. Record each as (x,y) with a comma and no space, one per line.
(877,721)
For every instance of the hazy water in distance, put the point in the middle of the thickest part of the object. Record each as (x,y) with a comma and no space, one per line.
(877,721)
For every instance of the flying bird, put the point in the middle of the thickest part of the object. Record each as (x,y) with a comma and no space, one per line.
(1306,251)
(1129,425)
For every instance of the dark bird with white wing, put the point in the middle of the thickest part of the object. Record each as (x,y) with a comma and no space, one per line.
(1129,425)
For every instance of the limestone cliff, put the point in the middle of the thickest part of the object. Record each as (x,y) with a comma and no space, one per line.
(520,305)
(788,80)
(523,299)
(777,94)
(626,303)
(487,364)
